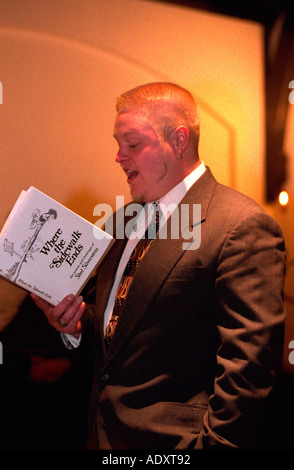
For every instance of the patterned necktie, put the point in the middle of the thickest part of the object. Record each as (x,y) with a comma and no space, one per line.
(133,263)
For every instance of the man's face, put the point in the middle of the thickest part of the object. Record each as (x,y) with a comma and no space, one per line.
(147,162)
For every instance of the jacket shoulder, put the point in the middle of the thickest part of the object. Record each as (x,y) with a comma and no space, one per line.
(236,208)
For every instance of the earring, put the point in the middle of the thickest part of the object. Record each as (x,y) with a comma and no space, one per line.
(180,155)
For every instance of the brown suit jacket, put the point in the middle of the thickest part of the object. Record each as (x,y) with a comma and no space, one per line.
(198,346)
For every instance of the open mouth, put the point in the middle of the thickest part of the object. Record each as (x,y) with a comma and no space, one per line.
(131,174)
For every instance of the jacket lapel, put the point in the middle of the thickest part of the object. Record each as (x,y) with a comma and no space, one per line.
(162,256)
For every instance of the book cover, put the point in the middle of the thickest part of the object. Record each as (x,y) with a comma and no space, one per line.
(47,249)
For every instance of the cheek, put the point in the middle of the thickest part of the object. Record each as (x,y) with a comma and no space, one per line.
(154,163)
(154,172)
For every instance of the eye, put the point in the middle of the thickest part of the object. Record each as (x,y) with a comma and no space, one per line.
(133,145)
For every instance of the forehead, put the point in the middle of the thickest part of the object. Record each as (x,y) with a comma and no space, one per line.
(132,123)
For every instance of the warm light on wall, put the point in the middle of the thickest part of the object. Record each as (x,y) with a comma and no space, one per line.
(283,198)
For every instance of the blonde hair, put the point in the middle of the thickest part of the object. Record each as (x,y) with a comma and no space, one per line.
(165,105)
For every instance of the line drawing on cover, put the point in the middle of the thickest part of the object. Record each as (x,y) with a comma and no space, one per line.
(29,245)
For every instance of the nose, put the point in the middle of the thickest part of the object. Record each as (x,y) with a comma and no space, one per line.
(120,156)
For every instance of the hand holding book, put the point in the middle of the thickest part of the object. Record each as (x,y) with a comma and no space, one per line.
(66,316)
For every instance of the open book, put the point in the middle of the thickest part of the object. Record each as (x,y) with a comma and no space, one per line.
(47,249)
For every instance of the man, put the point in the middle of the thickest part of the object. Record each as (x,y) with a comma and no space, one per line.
(198,343)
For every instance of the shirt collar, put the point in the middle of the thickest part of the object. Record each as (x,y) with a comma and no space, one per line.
(170,200)
(176,194)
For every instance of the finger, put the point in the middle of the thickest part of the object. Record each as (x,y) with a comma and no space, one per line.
(61,308)
(42,304)
(64,317)
(68,321)
(53,313)
(73,325)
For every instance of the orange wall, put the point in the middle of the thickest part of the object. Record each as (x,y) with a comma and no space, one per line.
(63,63)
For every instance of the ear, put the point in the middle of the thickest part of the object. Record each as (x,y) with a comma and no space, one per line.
(180,138)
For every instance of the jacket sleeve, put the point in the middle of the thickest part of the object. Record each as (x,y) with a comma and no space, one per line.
(250,320)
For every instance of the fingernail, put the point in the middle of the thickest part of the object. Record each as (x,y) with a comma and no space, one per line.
(70,297)
(80,300)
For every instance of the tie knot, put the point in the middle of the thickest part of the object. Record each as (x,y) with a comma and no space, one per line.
(154,223)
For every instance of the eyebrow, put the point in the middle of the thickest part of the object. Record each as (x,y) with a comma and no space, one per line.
(131,131)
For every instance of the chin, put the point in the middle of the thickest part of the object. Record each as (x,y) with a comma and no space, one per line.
(137,197)
(140,197)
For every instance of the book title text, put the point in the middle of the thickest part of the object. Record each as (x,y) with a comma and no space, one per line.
(66,252)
